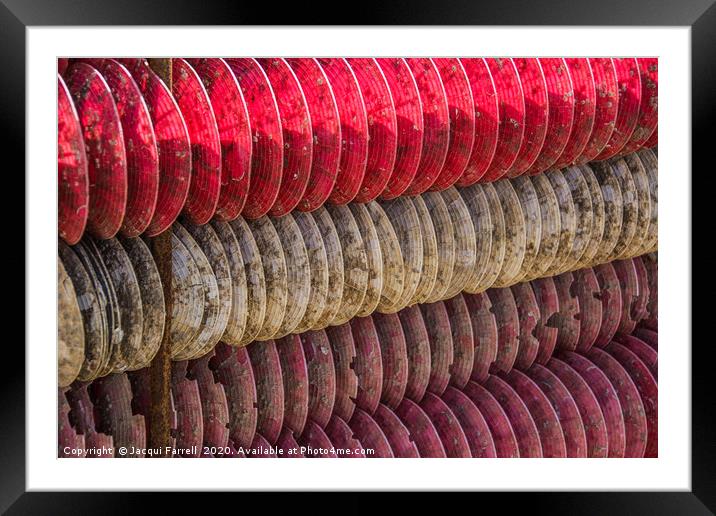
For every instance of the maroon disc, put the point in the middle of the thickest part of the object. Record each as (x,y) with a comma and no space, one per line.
(214,406)
(534,88)
(396,433)
(287,445)
(437,323)
(382,127)
(394,354)
(585,103)
(266,135)
(548,301)
(321,375)
(62,63)
(195,108)
(484,331)
(316,442)
(187,403)
(261,448)
(67,435)
(528,311)
(342,437)
(436,124)
(611,298)
(421,428)
(417,343)
(508,328)
(652,306)
(640,308)
(588,293)
(344,355)
(641,349)
(295,382)
(463,341)
(368,364)
(473,423)
(114,414)
(447,425)
(104,147)
(502,433)
(566,320)
(354,129)
(266,365)
(511,117)
(653,140)
(629,285)
(232,120)
(461,110)
(649,336)
(370,435)
(72,181)
(409,117)
(325,131)
(561,112)
(606,107)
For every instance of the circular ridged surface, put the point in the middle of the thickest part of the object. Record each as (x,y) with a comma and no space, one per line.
(464,238)
(421,428)
(583,210)
(319,274)
(428,275)
(394,356)
(528,311)
(294,371)
(484,330)
(368,364)
(550,227)
(447,426)
(473,423)
(611,299)
(341,435)
(317,443)
(214,406)
(270,398)
(643,202)
(392,256)
(396,433)
(613,209)
(588,291)
(508,327)
(418,347)
(370,435)
(463,341)
(546,295)
(503,436)
(481,215)
(641,349)
(567,222)
(70,335)
(566,320)
(529,202)
(598,217)
(606,106)
(515,234)
(585,104)
(334,258)
(344,356)
(374,259)
(321,375)
(648,109)
(437,323)
(444,234)
(651,165)
(498,238)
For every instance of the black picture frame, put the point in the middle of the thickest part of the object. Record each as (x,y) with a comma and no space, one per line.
(17,15)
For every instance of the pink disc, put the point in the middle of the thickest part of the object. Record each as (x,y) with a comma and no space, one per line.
(508,328)
(473,423)
(114,414)
(588,291)
(325,128)
(648,336)
(463,341)
(288,445)
(396,433)
(585,103)
(611,298)
(606,107)
(417,344)
(437,323)
(266,365)
(266,135)
(214,406)
(485,334)
(534,88)
(62,63)
(641,349)
(187,402)
(528,311)
(72,181)
(548,301)
(341,435)
(354,129)
(511,109)
(641,303)
(104,147)
(370,435)
(316,442)
(261,448)
(321,375)
(382,127)
(344,355)
(421,428)
(503,435)
(368,364)
(487,121)
(629,285)
(560,93)
(461,110)
(294,372)
(566,320)
(409,119)
(394,353)
(232,120)
(447,425)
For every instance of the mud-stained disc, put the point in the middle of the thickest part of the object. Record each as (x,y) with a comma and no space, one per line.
(487,121)
(463,341)
(409,118)
(651,165)
(437,323)
(550,227)
(560,92)
(297,137)
(461,110)
(422,431)
(652,305)
(567,221)
(355,263)
(232,120)
(530,204)
(644,211)
(629,286)
(214,406)
(195,108)
(575,439)
(316,442)
(343,438)
(635,422)
(583,211)
(630,93)
(374,259)
(611,298)
(465,241)
(266,366)
(396,433)
(436,124)
(445,245)
(515,234)
(404,219)
(542,413)
(606,107)
(394,356)
(566,320)
(447,425)
(498,237)
(72,180)
(472,422)
(232,368)
(503,436)
(428,275)
(613,210)
(368,365)
(354,129)
(294,371)
(298,273)
(152,297)
(261,448)
(508,328)
(418,352)
(319,274)
(586,286)
(598,217)
(104,147)
(370,435)
(528,311)
(648,108)
(511,116)
(266,135)
(548,301)
(287,445)
(485,230)
(484,331)
(392,256)
(648,390)
(112,399)
(534,88)
(344,356)
(70,330)
(382,127)
(321,375)
(641,349)
(334,256)
(585,106)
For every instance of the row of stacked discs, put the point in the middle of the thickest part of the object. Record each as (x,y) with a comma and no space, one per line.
(512,250)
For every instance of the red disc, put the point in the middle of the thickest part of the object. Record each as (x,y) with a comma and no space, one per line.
(508,328)
(325,128)
(354,129)
(321,375)
(447,425)
(187,403)
(436,124)
(653,140)
(473,423)
(640,308)
(261,448)
(629,285)
(611,298)
(62,63)
(295,382)
(641,349)
(528,311)
(382,127)
(463,341)
(437,323)
(548,301)
(502,433)
(648,336)
(114,414)
(585,103)
(214,406)
(566,320)
(461,110)
(409,117)
(534,88)
(341,435)
(511,117)
(394,354)
(368,364)
(370,435)
(172,143)
(266,135)
(484,330)
(396,433)
(104,146)
(606,107)
(288,446)
(588,291)
(344,355)
(560,92)
(72,181)
(421,428)
(316,442)
(418,346)
(630,92)
(232,120)
(269,388)
(195,108)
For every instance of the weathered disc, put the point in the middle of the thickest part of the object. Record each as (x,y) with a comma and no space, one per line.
(437,323)
(611,297)
(651,337)
(392,257)
(321,375)
(189,429)
(465,243)
(498,238)
(463,341)
(566,321)
(287,445)
(394,356)
(641,349)
(70,330)
(266,365)
(548,302)
(550,227)
(528,312)
(484,331)
(261,448)
(319,273)
(112,398)
(447,426)
(294,372)
(651,165)
(503,436)
(629,286)
(370,435)
(613,210)
(508,328)
(317,442)
(428,275)
(334,256)
(583,211)
(585,97)
(214,406)
(343,439)
(344,356)
(588,292)
(567,222)
(598,217)
(368,365)
(422,431)
(473,423)
(529,202)
(643,200)
(418,347)
(445,250)
(374,259)
(606,107)
(480,214)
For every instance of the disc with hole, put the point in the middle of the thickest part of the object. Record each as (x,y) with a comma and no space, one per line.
(344,356)
(484,331)
(270,396)
(321,375)
(396,433)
